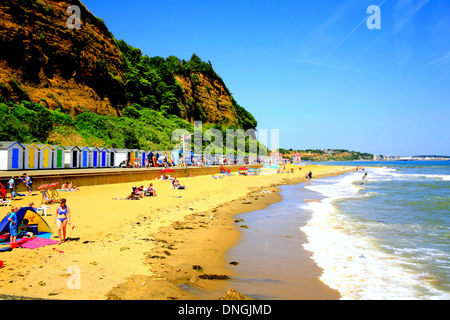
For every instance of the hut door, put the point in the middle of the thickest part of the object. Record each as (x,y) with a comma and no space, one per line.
(75,159)
(103,159)
(95,159)
(85,159)
(112,159)
(31,155)
(15,158)
(59,158)
(46,158)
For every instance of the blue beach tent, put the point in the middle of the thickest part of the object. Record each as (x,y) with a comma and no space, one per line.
(42,227)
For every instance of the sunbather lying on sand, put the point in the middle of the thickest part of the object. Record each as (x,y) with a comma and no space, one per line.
(176,184)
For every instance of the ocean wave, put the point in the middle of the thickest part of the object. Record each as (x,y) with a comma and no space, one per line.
(389,173)
(355,266)
(354,262)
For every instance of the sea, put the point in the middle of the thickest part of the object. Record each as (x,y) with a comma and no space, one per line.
(385,238)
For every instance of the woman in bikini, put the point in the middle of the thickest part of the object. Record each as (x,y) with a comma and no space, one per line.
(62,217)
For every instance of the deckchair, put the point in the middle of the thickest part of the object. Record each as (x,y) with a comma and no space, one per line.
(135,195)
(5,203)
(46,197)
(53,192)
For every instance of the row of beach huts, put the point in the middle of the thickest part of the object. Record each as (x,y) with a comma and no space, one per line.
(21,156)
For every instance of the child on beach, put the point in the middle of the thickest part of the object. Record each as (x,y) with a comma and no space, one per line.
(23,229)
(13,226)
(61,219)
(31,205)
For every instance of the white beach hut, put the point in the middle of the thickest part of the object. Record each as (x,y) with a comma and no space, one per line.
(121,155)
(11,155)
(112,158)
(72,157)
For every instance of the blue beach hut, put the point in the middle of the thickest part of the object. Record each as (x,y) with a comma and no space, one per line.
(143,158)
(85,155)
(103,158)
(94,157)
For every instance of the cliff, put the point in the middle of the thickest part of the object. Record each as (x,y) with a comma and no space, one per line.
(88,70)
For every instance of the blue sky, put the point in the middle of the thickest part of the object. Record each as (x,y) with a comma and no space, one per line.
(313,69)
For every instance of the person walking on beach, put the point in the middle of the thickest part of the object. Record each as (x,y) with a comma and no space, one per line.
(62,218)
(12,187)
(13,226)
(28,183)
(308,177)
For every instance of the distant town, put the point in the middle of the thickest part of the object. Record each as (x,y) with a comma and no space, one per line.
(409,158)
(346,155)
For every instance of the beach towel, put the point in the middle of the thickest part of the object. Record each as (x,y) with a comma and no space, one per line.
(37,242)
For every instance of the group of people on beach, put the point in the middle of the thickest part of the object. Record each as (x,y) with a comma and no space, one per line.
(11,187)
(69,187)
(62,218)
(140,192)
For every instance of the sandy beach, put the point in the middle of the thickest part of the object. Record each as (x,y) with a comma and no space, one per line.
(146,249)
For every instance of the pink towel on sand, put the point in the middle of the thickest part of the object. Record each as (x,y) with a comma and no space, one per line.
(38,242)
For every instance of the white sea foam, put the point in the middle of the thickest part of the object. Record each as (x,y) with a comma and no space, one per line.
(392,174)
(353,263)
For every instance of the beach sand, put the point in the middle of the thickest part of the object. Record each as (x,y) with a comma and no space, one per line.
(146,249)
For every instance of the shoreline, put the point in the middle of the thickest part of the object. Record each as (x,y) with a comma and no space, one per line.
(145,249)
(176,274)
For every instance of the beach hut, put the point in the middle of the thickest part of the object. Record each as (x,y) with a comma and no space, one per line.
(143,157)
(121,156)
(103,158)
(31,156)
(45,156)
(94,158)
(133,155)
(72,157)
(11,155)
(112,158)
(59,153)
(85,156)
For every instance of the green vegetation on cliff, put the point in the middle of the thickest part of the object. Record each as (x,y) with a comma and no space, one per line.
(84,87)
